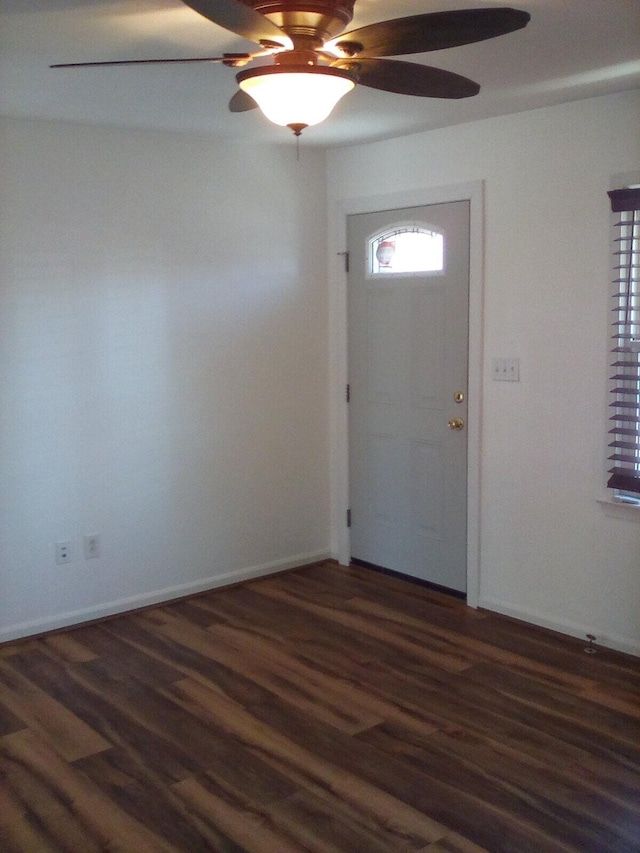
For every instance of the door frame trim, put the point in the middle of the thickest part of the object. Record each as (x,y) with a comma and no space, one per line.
(473,192)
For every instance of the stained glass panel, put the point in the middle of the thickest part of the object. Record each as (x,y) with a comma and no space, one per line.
(406,249)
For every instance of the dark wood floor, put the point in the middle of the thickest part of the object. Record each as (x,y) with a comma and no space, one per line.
(326,709)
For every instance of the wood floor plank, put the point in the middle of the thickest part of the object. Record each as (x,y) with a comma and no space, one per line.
(119,719)
(350,581)
(456,705)
(490,816)
(146,637)
(70,736)
(328,709)
(293,626)
(453,844)
(117,660)
(144,796)
(323,823)
(252,731)
(438,653)
(194,611)
(477,650)
(65,647)
(625,701)
(9,722)
(310,694)
(21,836)
(243,607)
(365,709)
(250,829)
(482,768)
(95,824)
(579,712)
(45,815)
(566,654)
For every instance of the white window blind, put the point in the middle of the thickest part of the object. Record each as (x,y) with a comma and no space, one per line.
(624,390)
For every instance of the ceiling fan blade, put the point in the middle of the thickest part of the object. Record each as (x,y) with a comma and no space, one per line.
(409,78)
(227,58)
(432,31)
(241,102)
(241,19)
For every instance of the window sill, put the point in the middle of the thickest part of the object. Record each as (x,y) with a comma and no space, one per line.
(619,509)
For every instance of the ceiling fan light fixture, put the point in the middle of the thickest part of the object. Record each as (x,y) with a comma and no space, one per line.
(296,96)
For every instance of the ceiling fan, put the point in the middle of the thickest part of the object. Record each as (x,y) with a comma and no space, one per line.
(306,63)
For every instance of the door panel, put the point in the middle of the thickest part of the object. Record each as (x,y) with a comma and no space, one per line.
(408,349)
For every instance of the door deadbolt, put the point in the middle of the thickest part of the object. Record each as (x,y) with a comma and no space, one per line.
(458,397)
(456,423)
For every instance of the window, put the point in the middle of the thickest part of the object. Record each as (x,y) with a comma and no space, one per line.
(624,389)
(406,249)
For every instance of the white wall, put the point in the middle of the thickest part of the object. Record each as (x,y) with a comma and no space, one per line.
(163,360)
(549,551)
(163,373)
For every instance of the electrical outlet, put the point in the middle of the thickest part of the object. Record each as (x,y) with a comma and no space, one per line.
(91,546)
(63,552)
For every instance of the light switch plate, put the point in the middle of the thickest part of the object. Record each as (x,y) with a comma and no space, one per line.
(506,369)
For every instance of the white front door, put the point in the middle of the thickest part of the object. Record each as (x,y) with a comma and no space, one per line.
(408,352)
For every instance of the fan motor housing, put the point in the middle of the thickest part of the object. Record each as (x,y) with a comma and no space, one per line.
(316,19)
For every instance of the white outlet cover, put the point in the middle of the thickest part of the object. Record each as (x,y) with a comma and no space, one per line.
(64,553)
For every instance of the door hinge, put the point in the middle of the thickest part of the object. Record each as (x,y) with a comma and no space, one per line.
(348,518)
(348,393)
(346,260)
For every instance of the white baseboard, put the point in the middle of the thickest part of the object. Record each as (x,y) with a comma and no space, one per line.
(122,605)
(620,644)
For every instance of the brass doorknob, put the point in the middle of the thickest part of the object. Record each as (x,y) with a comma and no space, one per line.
(456,423)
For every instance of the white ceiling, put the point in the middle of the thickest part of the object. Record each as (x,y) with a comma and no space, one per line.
(571,49)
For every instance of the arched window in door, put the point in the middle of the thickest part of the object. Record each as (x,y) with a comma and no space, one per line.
(406,249)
